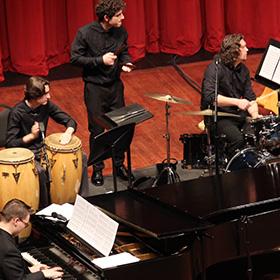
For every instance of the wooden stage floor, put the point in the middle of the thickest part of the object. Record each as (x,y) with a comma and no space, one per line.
(149,145)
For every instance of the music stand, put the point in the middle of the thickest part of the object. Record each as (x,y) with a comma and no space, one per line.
(109,143)
(268,72)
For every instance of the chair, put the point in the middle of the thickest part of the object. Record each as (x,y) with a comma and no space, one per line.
(4,115)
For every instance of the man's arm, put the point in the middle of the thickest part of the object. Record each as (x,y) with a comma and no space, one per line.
(16,136)
(79,55)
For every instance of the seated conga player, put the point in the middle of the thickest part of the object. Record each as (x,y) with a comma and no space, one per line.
(26,123)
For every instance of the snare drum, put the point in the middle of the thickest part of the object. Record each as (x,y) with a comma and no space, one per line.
(18,177)
(66,168)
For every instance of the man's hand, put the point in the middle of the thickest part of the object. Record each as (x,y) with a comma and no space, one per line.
(243,104)
(128,67)
(109,58)
(53,273)
(38,267)
(66,137)
(34,133)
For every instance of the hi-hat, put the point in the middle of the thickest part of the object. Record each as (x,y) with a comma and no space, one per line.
(209,112)
(168,98)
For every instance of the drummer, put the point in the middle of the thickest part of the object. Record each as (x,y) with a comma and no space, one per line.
(235,93)
(28,122)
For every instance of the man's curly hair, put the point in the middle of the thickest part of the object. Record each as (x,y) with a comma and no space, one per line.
(109,8)
(230,48)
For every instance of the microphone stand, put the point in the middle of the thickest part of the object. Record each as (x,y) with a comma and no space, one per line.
(216,118)
(44,153)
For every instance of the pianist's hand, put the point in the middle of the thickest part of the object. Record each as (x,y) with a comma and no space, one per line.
(37,267)
(53,273)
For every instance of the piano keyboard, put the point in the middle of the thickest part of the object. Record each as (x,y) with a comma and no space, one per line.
(28,258)
(55,256)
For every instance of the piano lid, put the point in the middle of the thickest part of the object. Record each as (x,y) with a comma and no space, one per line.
(226,196)
(147,215)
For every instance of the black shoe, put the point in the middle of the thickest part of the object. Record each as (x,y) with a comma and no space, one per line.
(122,173)
(97,178)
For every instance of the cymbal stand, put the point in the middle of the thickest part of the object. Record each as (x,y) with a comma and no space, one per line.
(217,171)
(172,175)
(209,152)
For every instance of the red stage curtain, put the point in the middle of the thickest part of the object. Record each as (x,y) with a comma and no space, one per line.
(36,34)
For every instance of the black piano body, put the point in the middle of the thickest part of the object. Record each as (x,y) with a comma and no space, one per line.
(159,235)
(189,228)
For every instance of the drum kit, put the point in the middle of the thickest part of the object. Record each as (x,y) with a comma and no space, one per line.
(262,147)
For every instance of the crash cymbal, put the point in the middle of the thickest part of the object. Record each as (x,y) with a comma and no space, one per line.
(168,98)
(209,112)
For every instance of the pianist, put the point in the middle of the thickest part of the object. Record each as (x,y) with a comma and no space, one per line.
(13,219)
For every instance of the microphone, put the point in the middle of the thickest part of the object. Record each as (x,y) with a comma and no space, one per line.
(55,215)
(59,216)
(42,129)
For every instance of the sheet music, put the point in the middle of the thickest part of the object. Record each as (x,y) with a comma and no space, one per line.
(115,260)
(92,225)
(271,67)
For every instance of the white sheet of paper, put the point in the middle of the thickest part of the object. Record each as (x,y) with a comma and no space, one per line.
(93,226)
(271,66)
(115,260)
(65,210)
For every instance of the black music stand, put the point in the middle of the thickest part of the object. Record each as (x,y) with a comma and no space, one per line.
(109,143)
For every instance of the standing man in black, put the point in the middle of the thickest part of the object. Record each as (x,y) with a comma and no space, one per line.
(101,49)
(235,93)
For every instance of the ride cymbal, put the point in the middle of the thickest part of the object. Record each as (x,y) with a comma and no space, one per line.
(168,98)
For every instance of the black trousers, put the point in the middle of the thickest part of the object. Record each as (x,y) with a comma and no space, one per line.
(101,99)
(234,130)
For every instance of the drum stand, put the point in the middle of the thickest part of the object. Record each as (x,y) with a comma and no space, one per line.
(172,175)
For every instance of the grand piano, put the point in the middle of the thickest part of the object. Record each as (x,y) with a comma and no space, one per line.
(196,229)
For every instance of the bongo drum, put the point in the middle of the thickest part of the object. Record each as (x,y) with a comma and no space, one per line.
(19,179)
(66,168)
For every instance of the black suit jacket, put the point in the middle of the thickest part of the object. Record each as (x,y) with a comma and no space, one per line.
(12,265)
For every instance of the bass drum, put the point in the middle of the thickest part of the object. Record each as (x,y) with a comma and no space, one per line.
(248,158)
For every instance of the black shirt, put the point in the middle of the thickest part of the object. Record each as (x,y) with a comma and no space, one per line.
(91,43)
(232,82)
(22,118)
(12,265)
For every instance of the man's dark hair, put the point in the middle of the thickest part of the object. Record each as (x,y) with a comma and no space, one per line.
(35,87)
(230,48)
(15,208)
(109,8)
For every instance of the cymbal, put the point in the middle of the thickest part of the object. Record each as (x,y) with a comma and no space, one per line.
(168,98)
(209,112)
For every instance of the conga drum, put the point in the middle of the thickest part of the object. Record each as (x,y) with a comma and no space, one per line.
(66,168)
(19,178)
